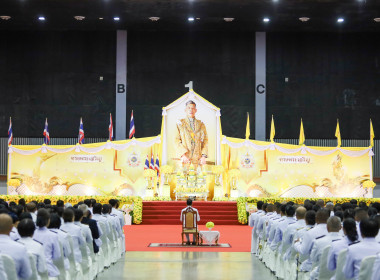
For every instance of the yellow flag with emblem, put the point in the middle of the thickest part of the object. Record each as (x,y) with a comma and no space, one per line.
(247,129)
(371,133)
(337,134)
(272,130)
(302,135)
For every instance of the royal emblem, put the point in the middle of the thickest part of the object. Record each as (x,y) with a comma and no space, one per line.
(247,161)
(133,160)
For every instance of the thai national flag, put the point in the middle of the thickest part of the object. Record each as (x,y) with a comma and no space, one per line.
(146,166)
(157,165)
(151,166)
(110,129)
(46,133)
(131,127)
(81,133)
(10,133)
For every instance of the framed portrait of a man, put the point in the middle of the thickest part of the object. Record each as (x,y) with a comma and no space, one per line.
(191,132)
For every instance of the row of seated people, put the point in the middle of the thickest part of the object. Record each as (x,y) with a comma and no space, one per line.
(317,241)
(44,241)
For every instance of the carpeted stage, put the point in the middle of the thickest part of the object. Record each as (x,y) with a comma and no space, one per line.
(161,224)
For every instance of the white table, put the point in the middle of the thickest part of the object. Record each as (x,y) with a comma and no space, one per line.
(209,236)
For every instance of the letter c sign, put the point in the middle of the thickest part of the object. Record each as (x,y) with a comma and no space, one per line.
(260,88)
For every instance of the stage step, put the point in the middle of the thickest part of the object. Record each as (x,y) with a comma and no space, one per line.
(168,212)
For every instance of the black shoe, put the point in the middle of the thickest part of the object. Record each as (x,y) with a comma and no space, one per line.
(193,243)
(188,243)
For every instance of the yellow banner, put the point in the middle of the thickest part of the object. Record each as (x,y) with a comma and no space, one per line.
(270,172)
(112,168)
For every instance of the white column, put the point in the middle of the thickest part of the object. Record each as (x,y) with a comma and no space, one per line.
(121,85)
(260,86)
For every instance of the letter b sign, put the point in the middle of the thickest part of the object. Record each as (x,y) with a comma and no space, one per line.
(120,88)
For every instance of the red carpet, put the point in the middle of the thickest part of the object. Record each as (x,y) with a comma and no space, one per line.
(138,237)
(168,212)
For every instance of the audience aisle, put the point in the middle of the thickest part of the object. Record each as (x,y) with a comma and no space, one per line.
(187,265)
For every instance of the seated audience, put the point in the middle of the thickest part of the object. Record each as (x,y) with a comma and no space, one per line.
(85,229)
(360,214)
(93,225)
(368,246)
(304,247)
(31,207)
(334,225)
(49,240)
(350,236)
(63,237)
(15,250)
(26,229)
(75,232)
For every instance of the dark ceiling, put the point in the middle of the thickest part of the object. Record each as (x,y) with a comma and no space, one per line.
(358,14)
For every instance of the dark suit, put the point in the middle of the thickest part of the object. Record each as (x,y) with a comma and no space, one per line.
(94,231)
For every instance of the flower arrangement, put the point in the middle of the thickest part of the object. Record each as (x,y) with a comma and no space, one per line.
(166,169)
(217,169)
(14,183)
(368,184)
(210,225)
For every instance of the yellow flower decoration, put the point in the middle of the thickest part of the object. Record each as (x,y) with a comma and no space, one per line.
(368,184)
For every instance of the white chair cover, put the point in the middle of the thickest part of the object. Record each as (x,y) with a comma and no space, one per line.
(105,245)
(9,267)
(86,263)
(32,260)
(75,268)
(339,275)
(366,267)
(324,272)
(60,264)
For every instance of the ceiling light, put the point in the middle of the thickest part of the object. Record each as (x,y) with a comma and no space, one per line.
(116,18)
(79,17)
(304,19)
(100,18)
(198,18)
(190,19)
(377,19)
(5,17)
(228,19)
(340,20)
(154,18)
(266,19)
(41,18)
